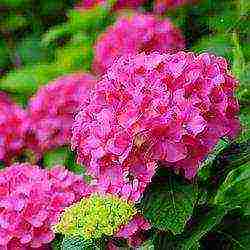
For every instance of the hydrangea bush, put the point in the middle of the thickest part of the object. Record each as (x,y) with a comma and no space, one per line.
(125,125)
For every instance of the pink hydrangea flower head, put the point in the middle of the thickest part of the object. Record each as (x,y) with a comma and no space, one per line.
(52,109)
(158,107)
(161,6)
(133,231)
(120,4)
(31,200)
(148,34)
(13,126)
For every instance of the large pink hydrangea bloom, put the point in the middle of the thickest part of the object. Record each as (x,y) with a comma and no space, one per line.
(135,34)
(52,110)
(30,202)
(13,126)
(172,108)
(120,4)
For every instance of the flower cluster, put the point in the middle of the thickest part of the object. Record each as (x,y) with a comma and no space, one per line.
(120,4)
(95,216)
(13,126)
(134,34)
(31,200)
(171,108)
(52,110)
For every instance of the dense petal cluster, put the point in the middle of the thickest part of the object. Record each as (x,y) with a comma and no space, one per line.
(127,181)
(159,107)
(161,6)
(31,200)
(52,109)
(133,231)
(95,216)
(120,4)
(135,34)
(13,126)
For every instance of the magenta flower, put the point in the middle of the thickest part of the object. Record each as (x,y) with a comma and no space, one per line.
(31,200)
(52,110)
(161,6)
(120,4)
(133,231)
(135,34)
(13,126)
(160,107)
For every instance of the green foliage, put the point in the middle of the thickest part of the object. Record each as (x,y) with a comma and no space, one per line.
(169,204)
(62,156)
(27,80)
(76,243)
(205,224)
(235,190)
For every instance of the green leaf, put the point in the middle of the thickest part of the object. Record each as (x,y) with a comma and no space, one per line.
(203,225)
(219,44)
(31,51)
(234,231)
(245,125)
(76,55)
(55,157)
(169,204)
(204,169)
(76,244)
(147,245)
(235,190)
(231,157)
(27,80)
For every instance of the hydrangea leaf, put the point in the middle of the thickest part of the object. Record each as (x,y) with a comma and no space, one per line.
(26,80)
(203,225)
(234,230)
(62,156)
(168,205)
(55,157)
(229,158)
(75,243)
(245,125)
(235,190)
(204,169)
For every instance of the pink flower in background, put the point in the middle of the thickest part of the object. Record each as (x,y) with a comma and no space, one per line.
(120,4)
(135,34)
(160,107)
(13,126)
(52,110)
(161,6)
(31,200)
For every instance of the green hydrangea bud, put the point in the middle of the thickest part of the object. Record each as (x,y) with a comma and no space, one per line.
(95,216)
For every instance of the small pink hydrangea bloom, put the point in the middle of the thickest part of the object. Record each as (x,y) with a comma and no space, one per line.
(172,108)
(133,230)
(52,110)
(161,6)
(135,34)
(31,200)
(120,4)
(13,126)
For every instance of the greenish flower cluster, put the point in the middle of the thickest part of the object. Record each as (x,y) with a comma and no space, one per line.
(95,216)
